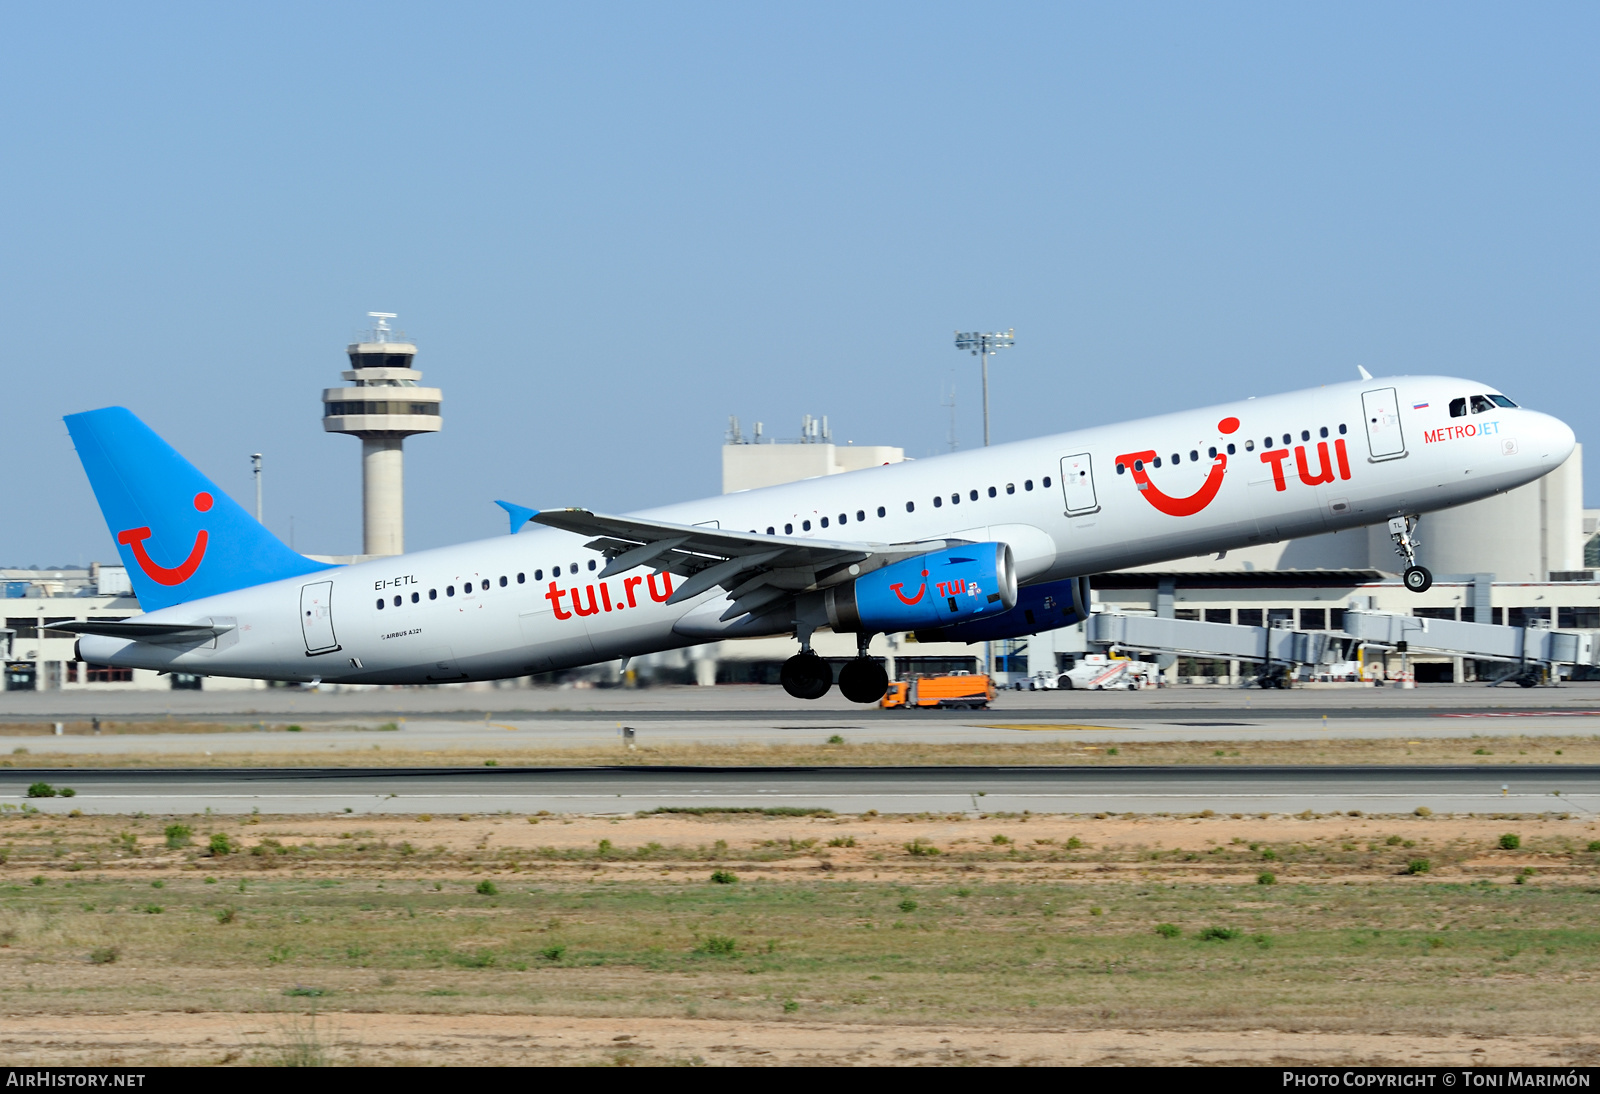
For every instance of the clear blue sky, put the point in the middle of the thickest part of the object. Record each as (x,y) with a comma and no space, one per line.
(609,226)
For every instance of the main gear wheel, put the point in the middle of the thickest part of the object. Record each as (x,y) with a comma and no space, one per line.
(807,676)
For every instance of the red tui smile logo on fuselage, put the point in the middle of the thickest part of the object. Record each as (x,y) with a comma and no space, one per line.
(1138,464)
(134,539)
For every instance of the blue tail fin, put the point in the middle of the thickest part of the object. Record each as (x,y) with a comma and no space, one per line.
(180,537)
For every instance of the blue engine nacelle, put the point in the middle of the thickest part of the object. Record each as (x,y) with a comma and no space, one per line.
(954,585)
(1039,608)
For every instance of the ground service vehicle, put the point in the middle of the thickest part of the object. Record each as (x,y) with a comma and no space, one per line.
(958,691)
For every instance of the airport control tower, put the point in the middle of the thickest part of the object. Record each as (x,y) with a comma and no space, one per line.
(383,408)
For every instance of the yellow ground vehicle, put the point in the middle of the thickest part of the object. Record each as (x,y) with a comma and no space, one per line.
(958,691)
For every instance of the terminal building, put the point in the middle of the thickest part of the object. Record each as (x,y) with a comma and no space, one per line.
(1528,557)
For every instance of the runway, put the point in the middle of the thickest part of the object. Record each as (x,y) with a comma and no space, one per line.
(1490,789)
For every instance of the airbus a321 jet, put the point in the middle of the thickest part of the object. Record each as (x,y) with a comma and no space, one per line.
(971,546)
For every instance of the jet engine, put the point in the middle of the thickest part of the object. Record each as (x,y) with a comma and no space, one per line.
(1038,608)
(948,586)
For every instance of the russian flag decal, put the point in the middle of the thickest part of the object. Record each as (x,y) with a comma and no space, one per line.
(1419,406)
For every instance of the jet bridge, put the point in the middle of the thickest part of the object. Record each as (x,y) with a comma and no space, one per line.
(1276,648)
(1529,653)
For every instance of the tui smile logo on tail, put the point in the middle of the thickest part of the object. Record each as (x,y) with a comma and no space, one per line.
(134,539)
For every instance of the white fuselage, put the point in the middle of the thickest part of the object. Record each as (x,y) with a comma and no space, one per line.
(1353,458)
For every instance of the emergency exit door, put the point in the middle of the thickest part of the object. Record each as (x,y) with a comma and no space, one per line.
(316,617)
(1382,412)
(1077,484)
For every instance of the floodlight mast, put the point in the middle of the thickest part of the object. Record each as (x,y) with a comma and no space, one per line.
(981,345)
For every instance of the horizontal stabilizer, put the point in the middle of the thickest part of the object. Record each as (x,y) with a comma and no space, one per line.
(143,632)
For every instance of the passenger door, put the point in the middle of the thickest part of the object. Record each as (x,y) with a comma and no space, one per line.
(316,618)
(1382,414)
(1077,485)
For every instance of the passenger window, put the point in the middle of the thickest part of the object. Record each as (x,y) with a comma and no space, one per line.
(1121,469)
(1177,457)
(1027,484)
(1156,461)
(591,567)
(1266,442)
(573,568)
(449,590)
(1211,452)
(1481,403)
(882,512)
(861,514)
(538,575)
(824,522)
(1323,431)
(433,594)
(937,501)
(972,495)
(1249,446)
(844,518)
(805,526)
(955,499)
(769,530)
(397,601)
(992,491)
(1138,465)
(486,580)
(911,507)
(1458,408)
(1011,488)
(380,605)
(1305,434)
(1231,449)
(1501,400)
(416,598)
(503,580)
(1047,482)
(1288,438)
(522,579)
(788,529)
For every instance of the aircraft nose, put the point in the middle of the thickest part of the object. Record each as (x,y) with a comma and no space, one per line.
(1556,440)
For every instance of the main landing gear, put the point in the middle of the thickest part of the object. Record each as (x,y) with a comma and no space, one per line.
(863,680)
(1403,530)
(807,676)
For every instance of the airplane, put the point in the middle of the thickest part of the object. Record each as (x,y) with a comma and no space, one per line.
(971,546)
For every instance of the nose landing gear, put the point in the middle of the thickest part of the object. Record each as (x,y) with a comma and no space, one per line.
(1403,530)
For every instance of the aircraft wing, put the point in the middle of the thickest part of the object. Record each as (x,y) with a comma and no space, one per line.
(758,571)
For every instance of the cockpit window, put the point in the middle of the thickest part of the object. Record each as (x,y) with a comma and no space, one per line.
(1458,408)
(1481,403)
(1501,400)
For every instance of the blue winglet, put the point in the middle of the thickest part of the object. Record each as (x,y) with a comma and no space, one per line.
(519,514)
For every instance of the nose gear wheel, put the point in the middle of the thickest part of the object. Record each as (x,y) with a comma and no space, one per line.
(1403,531)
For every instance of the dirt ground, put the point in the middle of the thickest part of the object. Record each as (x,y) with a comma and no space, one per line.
(1000,939)
(154,1037)
(1205,847)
